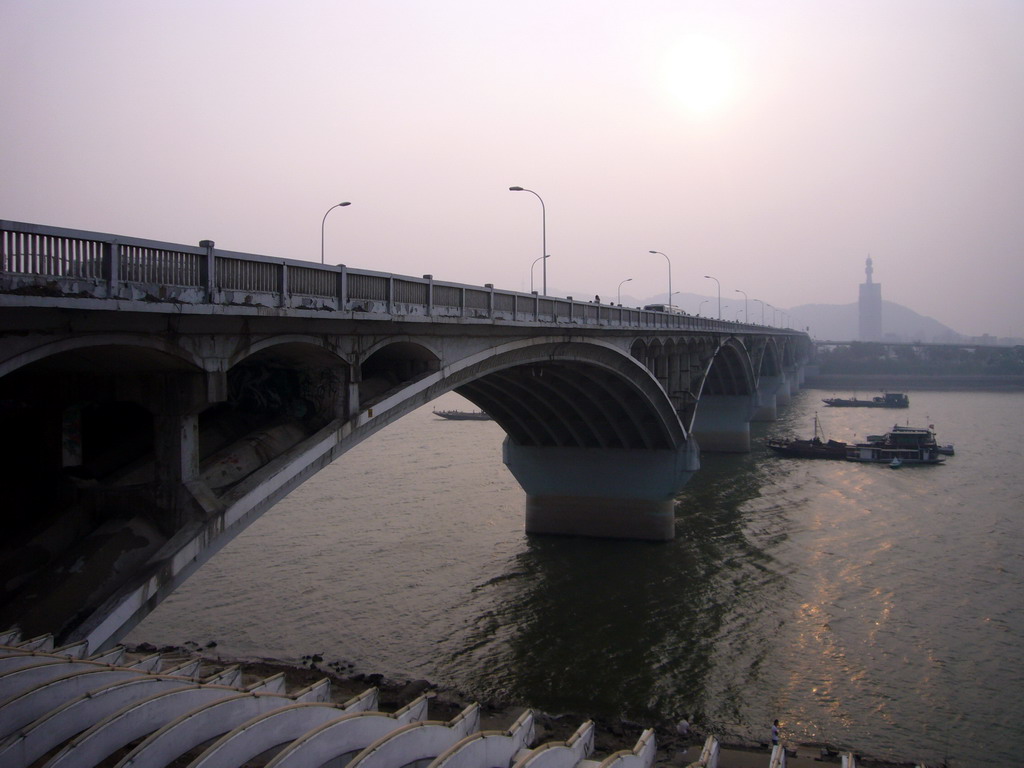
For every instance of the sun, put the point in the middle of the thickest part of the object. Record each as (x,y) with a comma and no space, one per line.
(701,74)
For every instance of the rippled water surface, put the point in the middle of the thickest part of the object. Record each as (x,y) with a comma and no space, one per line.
(868,608)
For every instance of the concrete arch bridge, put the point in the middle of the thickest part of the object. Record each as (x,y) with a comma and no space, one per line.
(157,398)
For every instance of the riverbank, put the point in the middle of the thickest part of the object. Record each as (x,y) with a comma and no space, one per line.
(893,382)
(610,736)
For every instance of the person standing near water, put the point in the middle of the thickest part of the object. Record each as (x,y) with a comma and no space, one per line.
(775,734)
(683,734)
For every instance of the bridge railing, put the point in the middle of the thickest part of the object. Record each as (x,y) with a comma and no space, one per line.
(57,262)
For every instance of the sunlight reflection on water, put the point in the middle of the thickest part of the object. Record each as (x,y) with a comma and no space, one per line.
(863,607)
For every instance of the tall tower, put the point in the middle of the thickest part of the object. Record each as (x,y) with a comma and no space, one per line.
(870,307)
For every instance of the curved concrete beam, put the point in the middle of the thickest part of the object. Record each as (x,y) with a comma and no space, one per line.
(417,741)
(134,722)
(487,748)
(347,734)
(280,726)
(567,754)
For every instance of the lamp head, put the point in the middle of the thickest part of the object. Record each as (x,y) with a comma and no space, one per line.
(344,204)
(515,189)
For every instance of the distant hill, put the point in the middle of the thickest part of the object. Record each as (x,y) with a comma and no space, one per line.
(839,322)
(828,322)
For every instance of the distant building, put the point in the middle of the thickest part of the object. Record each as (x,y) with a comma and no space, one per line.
(870,308)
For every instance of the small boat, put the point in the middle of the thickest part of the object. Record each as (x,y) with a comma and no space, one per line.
(816,447)
(888,400)
(901,445)
(464,415)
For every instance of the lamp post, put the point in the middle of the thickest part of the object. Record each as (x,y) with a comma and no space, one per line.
(701,305)
(628,279)
(669,275)
(531,270)
(324,221)
(544,233)
(746,318)
(762,309)
(709,277)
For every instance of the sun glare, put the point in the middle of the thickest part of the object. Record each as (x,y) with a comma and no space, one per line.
(701,75)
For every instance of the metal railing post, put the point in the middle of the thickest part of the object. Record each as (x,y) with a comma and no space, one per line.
(208,271)
(112,266)
(342,287)
(430,294)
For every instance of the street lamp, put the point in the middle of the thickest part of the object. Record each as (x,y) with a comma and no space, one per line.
(628,279)
(709,277)
(544,232)
(701,305)
(669,276)
(762,309)
(324,221)
(746,318)
(531,270)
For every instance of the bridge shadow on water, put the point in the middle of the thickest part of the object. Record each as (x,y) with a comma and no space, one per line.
(639,630)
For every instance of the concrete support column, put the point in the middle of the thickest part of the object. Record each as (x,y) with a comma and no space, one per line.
(678,380)
(766,398)
(800,376)
(661,369)
(784,393)
(354,378)
(722,422)
(607,493)
(176,442)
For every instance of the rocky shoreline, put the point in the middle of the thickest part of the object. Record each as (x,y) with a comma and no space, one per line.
(610,735)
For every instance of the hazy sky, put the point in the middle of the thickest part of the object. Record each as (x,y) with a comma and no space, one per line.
(773,145)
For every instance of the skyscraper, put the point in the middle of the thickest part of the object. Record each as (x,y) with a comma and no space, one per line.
(870,308)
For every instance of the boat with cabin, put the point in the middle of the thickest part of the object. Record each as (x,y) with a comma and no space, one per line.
(910,445)
(888,400)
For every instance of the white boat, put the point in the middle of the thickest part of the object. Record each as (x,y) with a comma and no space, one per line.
(911,445)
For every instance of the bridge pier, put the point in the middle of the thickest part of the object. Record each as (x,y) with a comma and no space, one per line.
(784,394)
(606,493)
(722,423)
(766,403)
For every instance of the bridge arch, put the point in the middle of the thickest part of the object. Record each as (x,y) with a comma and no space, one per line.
(729,371)
(725,399)
(394,363)
(107,352)
(767,358)
(297,348)
(573,394)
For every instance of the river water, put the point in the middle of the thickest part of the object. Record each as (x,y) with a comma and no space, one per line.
(867,608)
